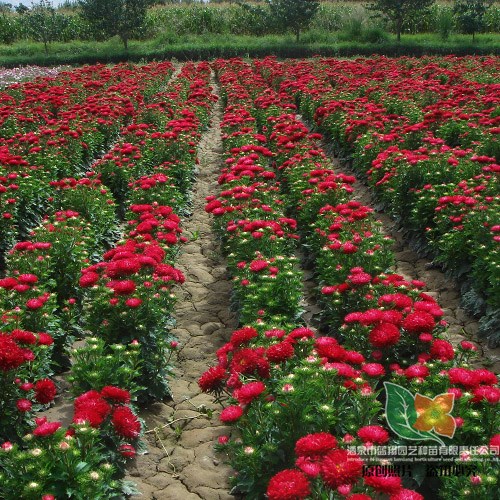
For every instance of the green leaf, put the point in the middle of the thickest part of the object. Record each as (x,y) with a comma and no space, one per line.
(82,467)
(401,414)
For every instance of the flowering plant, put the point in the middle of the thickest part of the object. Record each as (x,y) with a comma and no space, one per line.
(53,462)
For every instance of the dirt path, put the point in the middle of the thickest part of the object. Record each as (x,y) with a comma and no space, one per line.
(181,462)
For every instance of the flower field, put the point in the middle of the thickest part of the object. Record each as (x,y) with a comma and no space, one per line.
(98,167)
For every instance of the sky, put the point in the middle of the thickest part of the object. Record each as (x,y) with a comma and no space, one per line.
(55,3)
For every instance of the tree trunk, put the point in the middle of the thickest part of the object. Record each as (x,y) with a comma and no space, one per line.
(399,24)
(125,42)
(297,34)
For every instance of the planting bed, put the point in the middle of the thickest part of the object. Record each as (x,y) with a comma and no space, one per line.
(152,213)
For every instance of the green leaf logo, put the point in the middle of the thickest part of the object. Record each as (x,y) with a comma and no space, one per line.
(401,414)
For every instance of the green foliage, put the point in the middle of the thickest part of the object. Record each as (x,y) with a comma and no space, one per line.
(96,365)
(295,15)
(8,28)
(115,17)
(398,11)
(470,14)
(41,23)
(444,23)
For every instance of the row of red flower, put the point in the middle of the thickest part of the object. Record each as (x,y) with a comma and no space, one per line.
(290,392)
(124,298)
(427,141)
(54,128)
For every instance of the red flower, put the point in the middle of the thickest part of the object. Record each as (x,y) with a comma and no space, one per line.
(419,322)
(384,335)
(24,405)
(384,484)
(45,391)
(213,379)
(27,279)
(116,394)
(125,287)
(248,392)
(89,279)
(23,336)
(308,466)
(373,434)
(11,355)
(463,376)
(359,278)
(248,361)
(341,467)
(280,352)
(405,494)
(133,302)
(45,339)
(373,369)
(486,393)
(442,350)
(416,371)
(289,484)
(258,265)
(231,414)
(34,304)
(92,408)
(495,440)
(90,416)
(328,347)
(125,423)
(300,333)
(127,451)
(123,267)
(243,336)
(315,445)
(46,429)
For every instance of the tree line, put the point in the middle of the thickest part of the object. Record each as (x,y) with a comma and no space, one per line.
(100,20)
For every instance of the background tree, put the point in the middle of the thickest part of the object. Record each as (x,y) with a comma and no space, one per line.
(470,15)
(115,17)
(399,11)
(293,14)
(41,23)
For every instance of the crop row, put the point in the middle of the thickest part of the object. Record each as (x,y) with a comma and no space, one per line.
(426,141)
(70,276)
(308,410)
